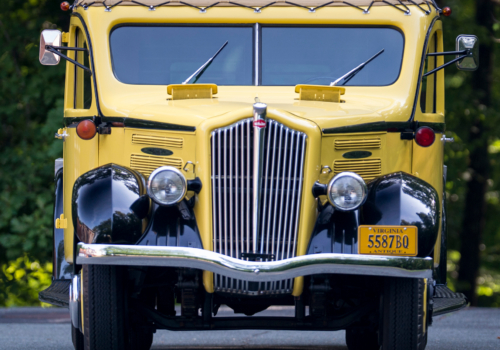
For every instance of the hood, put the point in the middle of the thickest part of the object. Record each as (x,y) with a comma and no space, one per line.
(353,110)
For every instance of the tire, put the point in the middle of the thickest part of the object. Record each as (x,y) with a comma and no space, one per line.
(403,324)
(77,338)
(105,317)
(361,340)
(103,307)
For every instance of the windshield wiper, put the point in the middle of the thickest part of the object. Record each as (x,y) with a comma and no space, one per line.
(349,75)
(202,69)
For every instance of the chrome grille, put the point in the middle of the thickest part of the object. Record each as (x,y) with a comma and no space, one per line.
(232,188)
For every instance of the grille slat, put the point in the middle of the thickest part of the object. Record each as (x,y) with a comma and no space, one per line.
(232,196)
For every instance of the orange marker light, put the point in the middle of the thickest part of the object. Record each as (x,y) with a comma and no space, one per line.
(65,6)
(86,129)
(446,11)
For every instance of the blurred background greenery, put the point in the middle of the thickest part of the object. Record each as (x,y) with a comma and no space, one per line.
(31,99)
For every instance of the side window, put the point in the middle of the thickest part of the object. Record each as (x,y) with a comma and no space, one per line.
(428,90)
(83,79)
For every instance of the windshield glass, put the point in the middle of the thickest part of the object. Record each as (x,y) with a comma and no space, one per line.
(163,55)
(292,56)
(169,55)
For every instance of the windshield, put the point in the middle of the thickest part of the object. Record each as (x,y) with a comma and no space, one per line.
(169,55)
(163,55)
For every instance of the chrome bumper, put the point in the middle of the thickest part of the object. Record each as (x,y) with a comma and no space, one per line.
(368,265)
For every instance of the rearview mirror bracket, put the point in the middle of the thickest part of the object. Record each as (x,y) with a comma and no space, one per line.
(466,52)
(50,49)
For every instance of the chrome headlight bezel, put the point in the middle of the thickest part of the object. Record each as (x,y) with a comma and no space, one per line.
(356,178)
(163,169)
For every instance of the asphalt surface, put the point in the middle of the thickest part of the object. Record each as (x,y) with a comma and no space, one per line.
(44,329)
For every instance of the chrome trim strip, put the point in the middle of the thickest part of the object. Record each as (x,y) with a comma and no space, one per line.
(259,116)
(257,53)
(351,264)
(74,302)
(225,192)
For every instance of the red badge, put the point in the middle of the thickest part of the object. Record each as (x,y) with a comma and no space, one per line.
(259,123)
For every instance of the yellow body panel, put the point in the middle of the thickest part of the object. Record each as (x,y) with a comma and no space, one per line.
(229,104)
(428,165)
(80,156)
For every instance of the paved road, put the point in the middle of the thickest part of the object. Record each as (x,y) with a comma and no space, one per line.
(48,329)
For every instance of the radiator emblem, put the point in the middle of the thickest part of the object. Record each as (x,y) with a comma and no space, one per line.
(259,123)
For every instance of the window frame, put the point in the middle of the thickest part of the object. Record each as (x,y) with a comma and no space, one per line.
(257,43)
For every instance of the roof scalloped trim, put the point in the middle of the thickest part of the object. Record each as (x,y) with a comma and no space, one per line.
(258,5)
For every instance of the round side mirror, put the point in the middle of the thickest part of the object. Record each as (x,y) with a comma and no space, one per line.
(49,37)
(471,44)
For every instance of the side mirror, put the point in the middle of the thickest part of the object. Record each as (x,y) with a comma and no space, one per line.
(49,37)
(468,43)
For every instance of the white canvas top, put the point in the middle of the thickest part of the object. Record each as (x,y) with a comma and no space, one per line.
(255,3)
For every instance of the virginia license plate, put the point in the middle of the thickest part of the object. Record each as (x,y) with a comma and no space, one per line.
(388,240)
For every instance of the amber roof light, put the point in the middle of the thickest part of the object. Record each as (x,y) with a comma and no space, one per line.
(86,129)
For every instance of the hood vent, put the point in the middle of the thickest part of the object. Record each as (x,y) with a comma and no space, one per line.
(160,141)
(147,164)
(341,145)
(368,169)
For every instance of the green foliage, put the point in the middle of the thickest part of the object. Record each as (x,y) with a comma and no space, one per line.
(463,111)
(31,100)
(22,279)
(31,110)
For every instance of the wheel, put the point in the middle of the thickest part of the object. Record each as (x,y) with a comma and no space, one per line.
(77,338)
(103,307)
(105,318)
(403,315)
(361,340)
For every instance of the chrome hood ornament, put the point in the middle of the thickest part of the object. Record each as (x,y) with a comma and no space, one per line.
(259,128)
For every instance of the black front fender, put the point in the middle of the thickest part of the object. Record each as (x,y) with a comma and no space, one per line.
(403,199)
(393,199)
(109,205)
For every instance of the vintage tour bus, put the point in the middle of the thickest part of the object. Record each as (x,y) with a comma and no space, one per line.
(252,153)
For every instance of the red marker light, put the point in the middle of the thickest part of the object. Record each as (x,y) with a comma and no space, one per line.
(86,129)
(446,11)
(425,136)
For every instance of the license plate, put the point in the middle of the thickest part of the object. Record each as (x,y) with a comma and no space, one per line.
(388,240)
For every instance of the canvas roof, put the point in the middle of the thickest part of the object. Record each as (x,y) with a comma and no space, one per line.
(251,3)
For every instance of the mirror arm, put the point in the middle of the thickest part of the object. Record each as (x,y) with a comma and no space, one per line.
(445,65)
(68,48)
(463,52)
(54,51)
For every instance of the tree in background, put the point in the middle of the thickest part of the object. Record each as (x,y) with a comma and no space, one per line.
(473,114)
(31,100)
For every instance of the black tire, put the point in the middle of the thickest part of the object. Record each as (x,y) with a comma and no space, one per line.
(361,340)
(77,338)
(106,322)
(403,324)
(103,307)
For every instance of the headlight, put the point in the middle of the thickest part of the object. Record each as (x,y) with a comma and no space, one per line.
(167,186)
(346,191)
